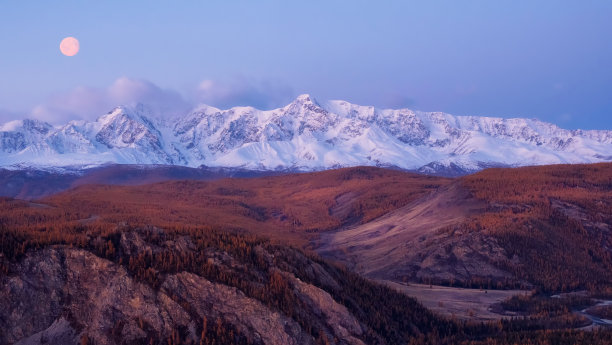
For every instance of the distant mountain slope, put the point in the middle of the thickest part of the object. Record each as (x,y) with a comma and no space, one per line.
(290,208)
(548,227)
(31,183)
(406,244)
(303,135)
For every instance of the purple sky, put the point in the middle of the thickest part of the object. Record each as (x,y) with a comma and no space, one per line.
(550,60)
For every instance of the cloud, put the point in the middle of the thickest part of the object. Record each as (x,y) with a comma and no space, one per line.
(243,92)
(126,91)
(88,103)
(7,115)
(396,101)
(566,117)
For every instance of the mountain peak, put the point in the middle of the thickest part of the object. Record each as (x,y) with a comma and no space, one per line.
(37,126)
(138,112)
(305,98)
(29,125)
(303,135)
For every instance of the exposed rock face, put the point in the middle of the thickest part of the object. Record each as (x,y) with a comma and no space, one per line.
(344,325)
(60,332)
(246,314)
(95,294)
(32,300)
(62,295)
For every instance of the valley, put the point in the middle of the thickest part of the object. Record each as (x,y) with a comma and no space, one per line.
(400,257)
(460,303)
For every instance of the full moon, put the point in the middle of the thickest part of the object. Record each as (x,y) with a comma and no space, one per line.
(69,46)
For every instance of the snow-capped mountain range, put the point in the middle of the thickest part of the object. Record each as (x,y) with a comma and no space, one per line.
(303,135)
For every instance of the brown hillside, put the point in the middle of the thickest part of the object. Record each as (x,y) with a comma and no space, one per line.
(547,226)
(556,219)
(289,207)
(87,266)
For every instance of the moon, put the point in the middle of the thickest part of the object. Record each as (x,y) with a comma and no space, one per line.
(69,46)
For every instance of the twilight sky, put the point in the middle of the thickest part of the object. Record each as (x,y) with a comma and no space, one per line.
(550,60)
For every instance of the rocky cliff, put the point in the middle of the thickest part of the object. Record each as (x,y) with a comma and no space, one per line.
(147,286)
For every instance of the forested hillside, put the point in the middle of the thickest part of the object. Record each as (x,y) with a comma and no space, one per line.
(123,285)
(291,208)
(556,219)
(223,262)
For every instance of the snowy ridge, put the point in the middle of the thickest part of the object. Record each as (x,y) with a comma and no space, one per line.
(302,135)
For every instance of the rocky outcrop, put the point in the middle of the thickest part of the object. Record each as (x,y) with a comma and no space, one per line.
(64,295)
(59,292)
(345,326)
(32,299)
(247,315)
